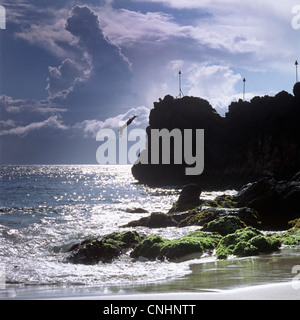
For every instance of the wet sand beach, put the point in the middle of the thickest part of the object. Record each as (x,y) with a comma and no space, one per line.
(266,277)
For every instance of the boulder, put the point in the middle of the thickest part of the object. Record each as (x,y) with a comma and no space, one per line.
(224,201)
(149,248)
(261,196)
(104,249)
(291,197)
(246,242)
(137,210)
(193,244)
(155,220)
(195,218)
(247,215)
(189,199)
(290,237)
(224,225)
(277,202)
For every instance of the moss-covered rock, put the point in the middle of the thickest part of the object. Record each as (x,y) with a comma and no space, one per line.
(198,218)
(276,201)
(295,223)
(224,225)
(155,220)
(244,249)
(149,248)
(156,247)
(126,239)
(105,249)
(290,237)
(193,243)
(189,199)
(223,201)
(246,242)
(249,216)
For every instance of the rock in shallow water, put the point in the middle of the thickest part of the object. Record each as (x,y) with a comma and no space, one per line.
(189,199)
(246,242)
(155,247)
(249,216)
(276,201)
(224,225)
(105,249)
(137,210)
(155,220)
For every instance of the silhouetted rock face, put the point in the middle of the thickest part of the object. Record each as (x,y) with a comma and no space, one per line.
(254,139)
(189,199)
(296,90)
(276,201)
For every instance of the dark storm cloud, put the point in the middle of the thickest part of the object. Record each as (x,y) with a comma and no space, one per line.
(89,84)
(100,77)
(67,72)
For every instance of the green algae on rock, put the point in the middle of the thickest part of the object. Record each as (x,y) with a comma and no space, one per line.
(149,248)
(224,225)
(105,249)
(223,201)
(295,223)
(247,215)
(198,218)
(155,247)
(246,242)
(290,237)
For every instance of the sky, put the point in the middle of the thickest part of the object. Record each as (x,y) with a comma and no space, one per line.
(71,68)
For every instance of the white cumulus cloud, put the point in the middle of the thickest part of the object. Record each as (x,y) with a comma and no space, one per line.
(51,122)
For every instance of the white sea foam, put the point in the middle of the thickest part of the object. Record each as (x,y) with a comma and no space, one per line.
(46,209)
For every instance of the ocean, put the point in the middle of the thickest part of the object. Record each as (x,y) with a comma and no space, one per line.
(44,210)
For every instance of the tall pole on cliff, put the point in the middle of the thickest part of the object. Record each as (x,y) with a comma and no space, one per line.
(296,64)
(180,91)
(244,89)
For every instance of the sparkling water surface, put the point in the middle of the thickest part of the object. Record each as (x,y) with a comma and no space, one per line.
(44,210)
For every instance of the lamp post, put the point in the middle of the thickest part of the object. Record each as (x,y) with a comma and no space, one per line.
(296,64)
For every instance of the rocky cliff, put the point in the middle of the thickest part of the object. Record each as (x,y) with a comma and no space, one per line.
(254,139)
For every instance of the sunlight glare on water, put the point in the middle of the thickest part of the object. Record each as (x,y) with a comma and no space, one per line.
(46,209)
